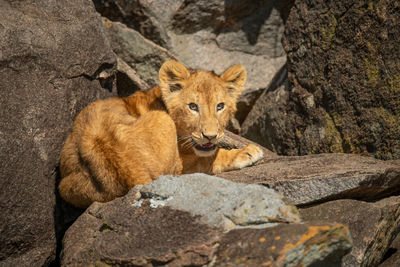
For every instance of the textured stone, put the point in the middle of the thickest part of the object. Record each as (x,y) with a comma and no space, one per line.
(54,60)
(219,202)
(119,233)
(313,178)
(142,55)
(285,245)
(344,71)
(392,256)
(128,81)
(373,226)
(159,224)
(211,35)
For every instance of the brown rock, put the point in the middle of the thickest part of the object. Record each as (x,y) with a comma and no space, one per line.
(343,64)
(373,226)
(54,60)
(118,234)
(285,245)
(313,178)
(392,256)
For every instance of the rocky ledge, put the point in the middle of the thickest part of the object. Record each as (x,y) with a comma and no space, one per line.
(348,214)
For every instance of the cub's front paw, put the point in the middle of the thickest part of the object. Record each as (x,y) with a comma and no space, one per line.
(248,156)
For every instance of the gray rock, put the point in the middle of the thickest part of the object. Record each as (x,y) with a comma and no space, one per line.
(211,35)
(142,55)
(373,226)
(219,202)
(316,178)
(54,60)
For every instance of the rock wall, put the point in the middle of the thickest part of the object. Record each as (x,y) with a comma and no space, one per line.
(51,56)
(344,69)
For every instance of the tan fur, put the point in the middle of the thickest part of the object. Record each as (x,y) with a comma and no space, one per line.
(118,143)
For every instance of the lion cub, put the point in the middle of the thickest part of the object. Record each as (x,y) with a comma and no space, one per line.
(174,128)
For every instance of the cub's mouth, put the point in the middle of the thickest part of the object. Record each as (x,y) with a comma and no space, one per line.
(206,147)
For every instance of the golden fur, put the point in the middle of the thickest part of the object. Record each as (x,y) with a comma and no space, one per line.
(174,128)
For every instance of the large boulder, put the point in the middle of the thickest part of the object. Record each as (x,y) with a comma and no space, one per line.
(211,35)
(54,60)
(183,221)
(344,81)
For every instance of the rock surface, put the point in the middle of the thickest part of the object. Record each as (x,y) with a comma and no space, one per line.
(142,55)
(314,178)
(285,245)
(177,221)
(344,71)
(373,226)
(211,35)
(219,202)
(392,256)
(54,60)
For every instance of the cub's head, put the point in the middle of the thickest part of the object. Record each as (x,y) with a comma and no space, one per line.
(201,103)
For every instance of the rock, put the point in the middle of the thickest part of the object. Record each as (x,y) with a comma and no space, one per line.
(219,202)
(119,233)
(128,81)
(142,55)
(176,221)
(373,226)
(392,256)
(315,178)
(54,60)
(211,35)
(343,64)
(267,122)
(285,245)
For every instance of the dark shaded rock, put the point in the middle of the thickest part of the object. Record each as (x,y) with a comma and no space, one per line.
(266,122)
(142,55)
(119,233)
(315,178)
(373,226)
(343,64)
(211,35)
(285,245)
(128,81)
(54,60)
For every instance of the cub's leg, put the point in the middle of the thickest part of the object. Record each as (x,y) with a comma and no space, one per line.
(233,159)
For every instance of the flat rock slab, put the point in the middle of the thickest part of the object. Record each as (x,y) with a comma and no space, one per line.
(314,178)
(373,226)
(219,202)
(174,221)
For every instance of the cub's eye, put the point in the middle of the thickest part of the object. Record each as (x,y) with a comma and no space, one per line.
(220,106)
(194,107)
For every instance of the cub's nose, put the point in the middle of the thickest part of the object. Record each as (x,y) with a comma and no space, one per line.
(209,136)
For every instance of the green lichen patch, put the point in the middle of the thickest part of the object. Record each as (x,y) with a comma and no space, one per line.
(328,30)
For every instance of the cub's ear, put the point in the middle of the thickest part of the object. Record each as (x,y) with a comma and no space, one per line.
(171,74)
(235,77)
